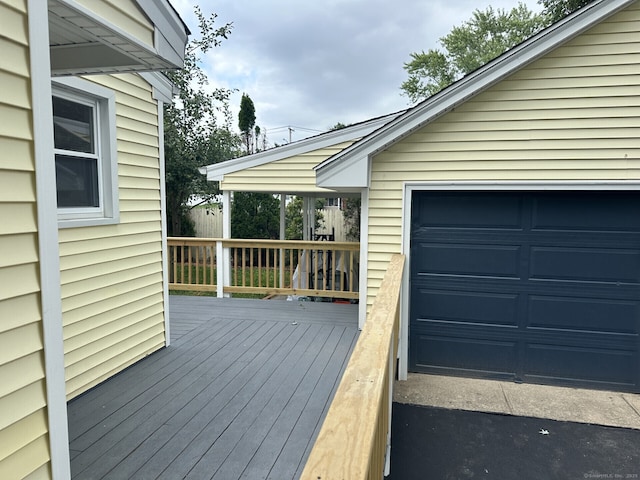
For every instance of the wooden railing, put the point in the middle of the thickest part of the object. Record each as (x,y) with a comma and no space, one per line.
(283,267)
(354,441)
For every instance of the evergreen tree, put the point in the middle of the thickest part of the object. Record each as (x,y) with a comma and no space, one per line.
(247,120)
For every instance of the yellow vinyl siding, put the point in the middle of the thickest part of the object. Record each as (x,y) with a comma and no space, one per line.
(24,448)
(572,115)
(293,174)
(111,275)
(125,14)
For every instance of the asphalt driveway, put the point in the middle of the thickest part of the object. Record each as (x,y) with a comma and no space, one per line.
(441,444)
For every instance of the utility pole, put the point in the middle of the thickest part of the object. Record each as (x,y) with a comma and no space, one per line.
(290,130)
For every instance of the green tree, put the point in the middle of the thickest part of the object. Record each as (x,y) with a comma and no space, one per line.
(558,9)
(351,216)
(192,135)
(293,218)
(486,35)
(247,120)
(255,215)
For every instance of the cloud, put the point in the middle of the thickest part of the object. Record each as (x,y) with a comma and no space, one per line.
(312,64)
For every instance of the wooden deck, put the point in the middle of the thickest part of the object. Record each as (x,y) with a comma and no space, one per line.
(240,393)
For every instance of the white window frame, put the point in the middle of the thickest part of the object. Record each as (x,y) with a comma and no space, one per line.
(103,101)
(335,202)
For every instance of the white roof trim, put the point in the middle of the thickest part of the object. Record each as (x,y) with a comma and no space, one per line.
(530,50)
(217,171)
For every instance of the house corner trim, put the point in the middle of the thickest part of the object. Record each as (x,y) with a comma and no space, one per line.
(38,20)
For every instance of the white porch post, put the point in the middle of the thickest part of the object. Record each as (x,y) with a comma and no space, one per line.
(283,202)
(224,266)
(364,241)
(310,214)
(305,218)
(283,205)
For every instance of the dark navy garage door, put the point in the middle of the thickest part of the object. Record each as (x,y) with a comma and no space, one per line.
(540,287)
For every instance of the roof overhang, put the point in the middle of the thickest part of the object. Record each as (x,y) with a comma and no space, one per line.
(347,165)
(217,171)
(82,42)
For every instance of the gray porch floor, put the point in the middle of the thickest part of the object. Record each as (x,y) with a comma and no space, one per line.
(240,393)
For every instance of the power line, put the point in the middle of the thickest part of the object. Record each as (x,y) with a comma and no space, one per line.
(287,127)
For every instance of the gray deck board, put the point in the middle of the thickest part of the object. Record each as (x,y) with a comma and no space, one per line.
(240,393)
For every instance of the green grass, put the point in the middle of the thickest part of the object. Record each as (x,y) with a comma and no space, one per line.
(197,293)
(266,277)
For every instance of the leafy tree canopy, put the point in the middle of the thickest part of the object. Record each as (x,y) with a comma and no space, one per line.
(193,136)
(485,36)
(467,47)
(558,9)
(255,215)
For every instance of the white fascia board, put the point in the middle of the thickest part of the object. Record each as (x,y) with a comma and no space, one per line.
(218,170)
(471,85)
(171,33)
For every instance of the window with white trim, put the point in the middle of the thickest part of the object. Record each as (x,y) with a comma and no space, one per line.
(85,153)
(333,202)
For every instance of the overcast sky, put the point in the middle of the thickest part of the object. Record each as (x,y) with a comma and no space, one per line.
(312,64)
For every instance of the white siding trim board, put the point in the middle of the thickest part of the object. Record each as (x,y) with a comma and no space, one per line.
(48,240)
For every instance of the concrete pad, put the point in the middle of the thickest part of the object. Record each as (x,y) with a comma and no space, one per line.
(571,404)
(633,400)
(540,401)
(451,392)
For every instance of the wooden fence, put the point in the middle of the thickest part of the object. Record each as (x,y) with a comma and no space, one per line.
(304,268)
(208,222)
(354,441)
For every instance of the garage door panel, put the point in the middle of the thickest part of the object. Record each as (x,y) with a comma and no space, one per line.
(460,210)
(552,296)
(583,314)
(469,354)
(585,264)
(469,260)
(580,364)
(485,308)
(586,211)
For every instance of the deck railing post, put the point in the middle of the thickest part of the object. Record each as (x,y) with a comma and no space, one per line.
(226,258)
(281,268)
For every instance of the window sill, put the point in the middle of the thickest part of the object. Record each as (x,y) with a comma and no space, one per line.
(86,222)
